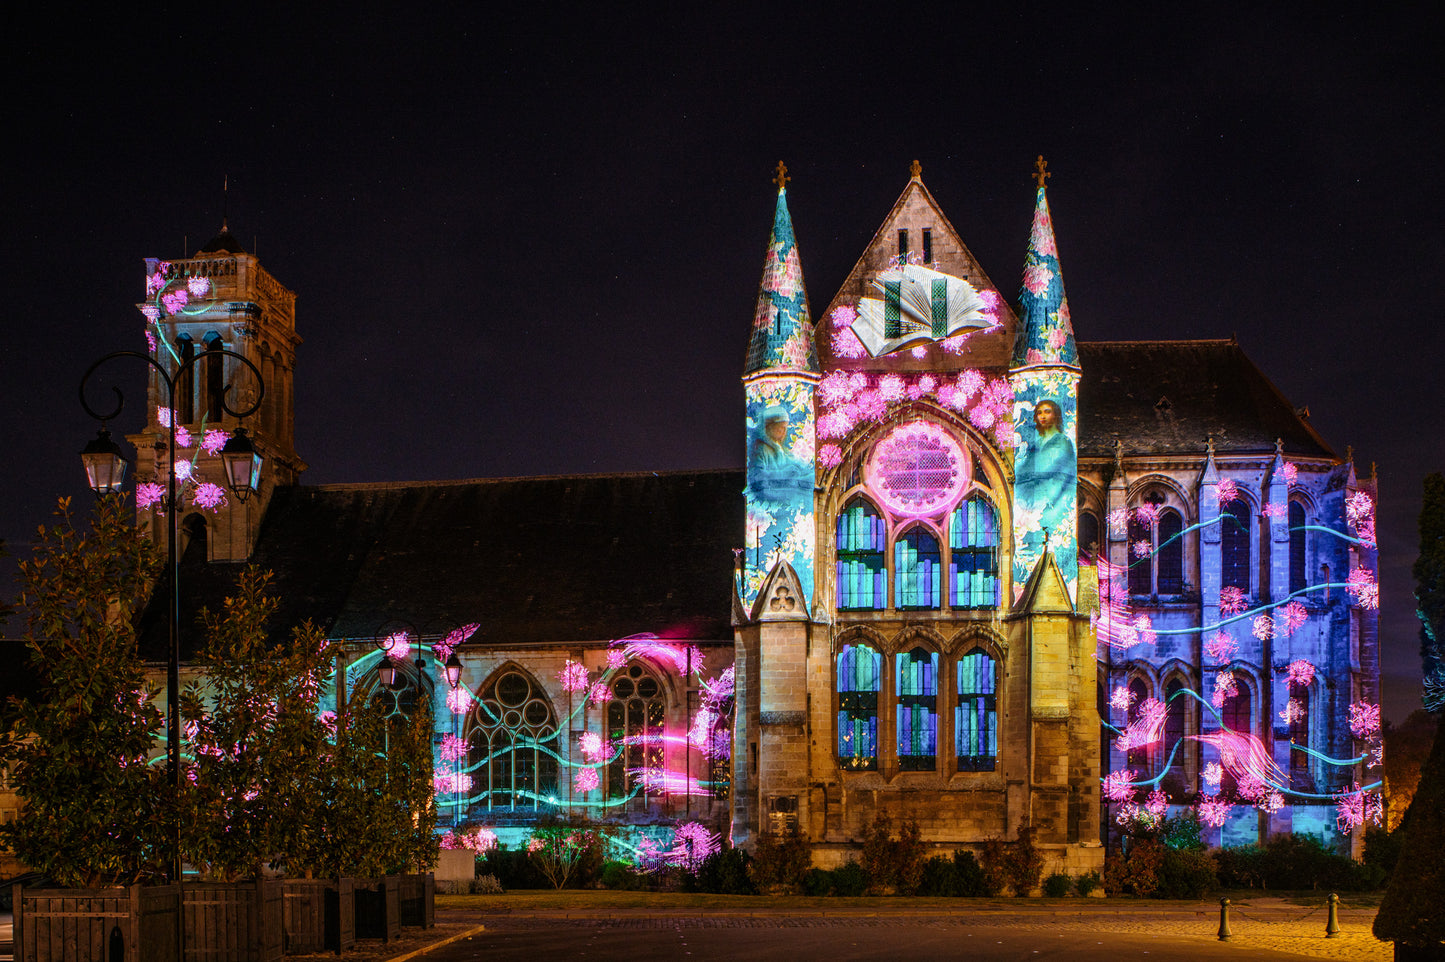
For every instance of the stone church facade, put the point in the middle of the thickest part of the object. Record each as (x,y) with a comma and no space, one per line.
(976,575)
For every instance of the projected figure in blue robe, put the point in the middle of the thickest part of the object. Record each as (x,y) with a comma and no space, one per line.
(775,474)
(1047,474)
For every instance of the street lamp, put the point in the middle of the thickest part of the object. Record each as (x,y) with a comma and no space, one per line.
(105,470)
(454,679)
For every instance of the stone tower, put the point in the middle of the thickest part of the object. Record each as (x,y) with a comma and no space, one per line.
(220,298)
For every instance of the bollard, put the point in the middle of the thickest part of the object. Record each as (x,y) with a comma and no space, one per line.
(1224,933)
(1332,927)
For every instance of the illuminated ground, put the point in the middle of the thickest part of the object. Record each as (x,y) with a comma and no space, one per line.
(604,925)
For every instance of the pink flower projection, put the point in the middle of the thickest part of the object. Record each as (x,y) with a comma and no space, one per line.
(1289,618)
(1057,338)
(1360,511)
(599,693)
(846,344)
(1146,728)
(1291,473)
(1118,521)
(573,676)
(452,783)
(453,748)
(1121,699)
(174,301)
(163,417)
(1293,712)
(843,317)
(1301,673)
(213,441)
(1356,807)
(211,497)
(1214,811)
(1213,774)
(830,456)
(479,840)
(151,341)
(459,701)
(1226,491)
(1278,512)
(184,470)
(1263,627)
(1147,514)
(1364,719)
(1144,627)
(1116,787)
(396,645)
(616,659)
(1037,279)
(594,747)
(1362,587)
(456,636)
(148,494)
(835,389)
(1157,803)
(1243,756)
(691,843)
(585,780)
(1225,688)
(1141,548)
(1221,648)
(1231,601)
(198,286)
(890,387)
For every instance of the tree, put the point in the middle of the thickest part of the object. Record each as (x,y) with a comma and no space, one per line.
(95,810)
(1412,912)
(261,760)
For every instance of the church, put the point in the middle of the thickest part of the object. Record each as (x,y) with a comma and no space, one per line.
(976,574)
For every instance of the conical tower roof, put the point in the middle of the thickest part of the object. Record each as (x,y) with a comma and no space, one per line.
(782,338)
(1045,333)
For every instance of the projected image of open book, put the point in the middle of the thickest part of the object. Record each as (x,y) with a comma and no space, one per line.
(918,304)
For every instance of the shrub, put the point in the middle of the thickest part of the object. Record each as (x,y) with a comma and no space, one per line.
(723,873)
(850,880)
(939,878)
(1085,884)
(621,876)
(991,867)
(781,862)
(1382,849)
(973,881)
(515,870)
(894,863)
(1240,866)
(486,885)
(1023,866)
(818,882)
(1058,885)
(1187,873)
(1151,869)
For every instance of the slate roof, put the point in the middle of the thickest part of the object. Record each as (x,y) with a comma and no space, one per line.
(1166,397)
(552,559)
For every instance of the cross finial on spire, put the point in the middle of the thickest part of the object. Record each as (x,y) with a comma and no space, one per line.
(781,178)
(225,200)
(1041,171)
(915,170)
(1279,447)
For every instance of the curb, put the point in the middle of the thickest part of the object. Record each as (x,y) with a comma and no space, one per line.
(416,953)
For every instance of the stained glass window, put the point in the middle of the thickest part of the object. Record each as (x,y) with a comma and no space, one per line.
(916,678)
(1234,546)
(512,743)
(917,570)
(635,718)
(862,579)
(973,568)
(976,716)
(1296,546)
(1169,557)
(859,676)
(1138,758)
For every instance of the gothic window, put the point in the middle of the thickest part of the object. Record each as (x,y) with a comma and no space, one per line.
(860,670)
(973,568)
(916,677)
(1138,758)
(1234,546)
(1089,534)
(862,579)
(927,246)
(976,715)
(215,378)
(1175,746)
(185,400)
(1237,717)
(635,718)
(1141,564)
(917,570)
(1296,547)
(1299,733)
(512,756)
(1169,557)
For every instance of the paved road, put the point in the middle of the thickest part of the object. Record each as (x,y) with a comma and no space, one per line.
(538,939)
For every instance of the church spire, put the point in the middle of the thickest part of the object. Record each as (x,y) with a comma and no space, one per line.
(1046,334)
(782,338)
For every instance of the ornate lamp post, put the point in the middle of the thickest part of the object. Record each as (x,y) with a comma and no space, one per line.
(105,471)
(454,679)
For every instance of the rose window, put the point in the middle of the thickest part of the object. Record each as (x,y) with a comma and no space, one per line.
(918,469)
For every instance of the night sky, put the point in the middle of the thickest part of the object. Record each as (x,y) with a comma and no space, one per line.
(530,243)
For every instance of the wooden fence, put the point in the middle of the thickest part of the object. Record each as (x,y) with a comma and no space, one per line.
(234,921)
(378,907)
(320,915)
(418,900)
(96,925)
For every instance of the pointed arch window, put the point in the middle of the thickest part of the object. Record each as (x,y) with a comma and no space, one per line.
(917,570)
(1175,729)
(1159,569)
(976,714)
(1089,534)
(185,390)
(1234,546)
(862,578)
(973,560)
(1297,547)
(215,377)
(1138,758)
(916,681)
(512,757)
(1237,716)
(1169,556)
(635,717)
(1300,777)
(860,670)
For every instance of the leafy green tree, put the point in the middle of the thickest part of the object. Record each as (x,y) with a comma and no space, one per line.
(260,752)
(1412,912)
(78,750)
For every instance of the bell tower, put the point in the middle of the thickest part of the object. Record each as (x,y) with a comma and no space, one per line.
(219,299)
